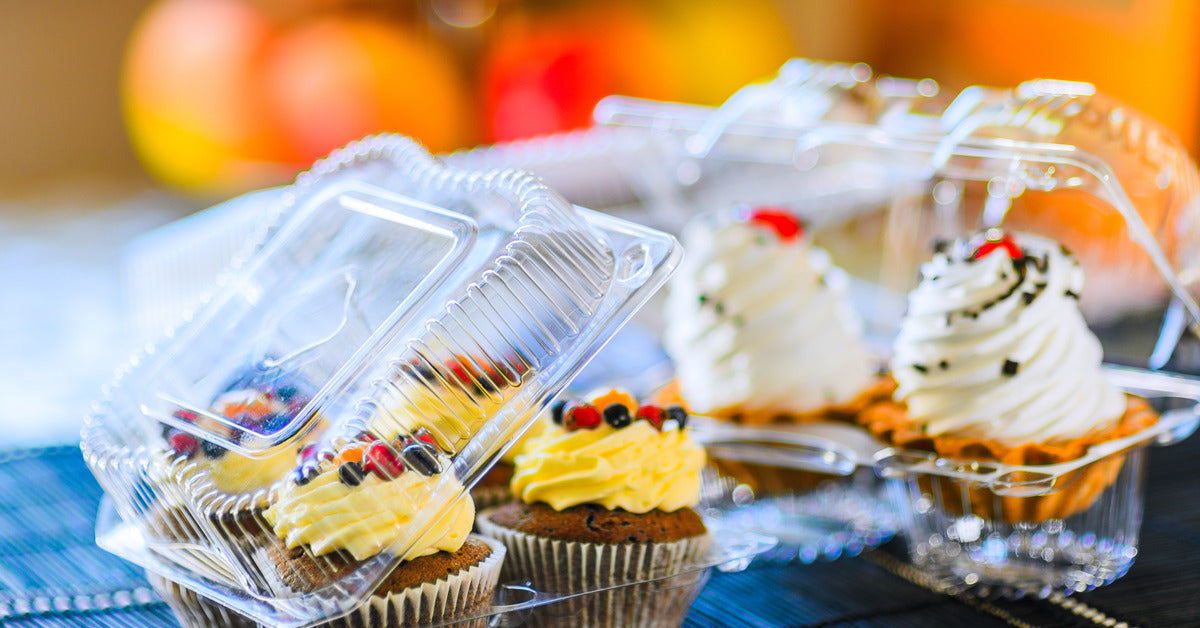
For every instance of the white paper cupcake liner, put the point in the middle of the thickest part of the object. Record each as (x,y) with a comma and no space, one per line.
(458,600)
(560,567)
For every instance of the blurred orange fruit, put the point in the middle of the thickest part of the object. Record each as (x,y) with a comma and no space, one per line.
(219,96)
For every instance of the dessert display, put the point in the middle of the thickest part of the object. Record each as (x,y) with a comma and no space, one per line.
(603,498)
(759,327)
(994,363)
(436,312)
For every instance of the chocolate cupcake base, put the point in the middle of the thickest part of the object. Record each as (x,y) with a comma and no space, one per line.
(598,552)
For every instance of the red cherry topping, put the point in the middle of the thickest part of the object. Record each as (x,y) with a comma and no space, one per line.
(427,437)
(382,461)
(309,452)
(782,222)
(185,444)
(653,414)
(996,240)
(582,417)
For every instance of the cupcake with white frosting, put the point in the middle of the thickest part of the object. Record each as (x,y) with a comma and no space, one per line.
(995,362)
(759,327)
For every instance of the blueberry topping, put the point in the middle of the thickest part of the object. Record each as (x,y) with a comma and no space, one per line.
(419,457)
(351,473)
(557,411)
(274,422)
(617,415)
(304,474)
(212,450)
(286,393)
(677,414)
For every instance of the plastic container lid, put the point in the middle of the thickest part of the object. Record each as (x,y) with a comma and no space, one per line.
(384,278)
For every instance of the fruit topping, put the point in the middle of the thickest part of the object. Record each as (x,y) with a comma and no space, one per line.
(212,450)
(381,460)
(558,412)
(653,414)
(421,458)
(582,417)
(305,473)
(779,220)
(351,473)
(616,396)
(677,414)
(617,415)
(996,239)
(185,444)
(351,453)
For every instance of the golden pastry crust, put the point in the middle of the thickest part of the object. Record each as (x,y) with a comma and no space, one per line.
(1076,490)
(880,389)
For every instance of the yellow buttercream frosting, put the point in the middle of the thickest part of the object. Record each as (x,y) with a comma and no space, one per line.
(538,428)
(636,468)
(234,473)
(451,417)
(373,517)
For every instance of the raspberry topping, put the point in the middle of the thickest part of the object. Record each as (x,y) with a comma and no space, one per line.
(185,444)
(582,417)
(782,222)
(382,461)
(653,414)
(997,239)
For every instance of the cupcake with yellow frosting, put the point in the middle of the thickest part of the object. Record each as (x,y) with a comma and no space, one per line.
(603,498)
(995,363)
(494,489)
(343,509)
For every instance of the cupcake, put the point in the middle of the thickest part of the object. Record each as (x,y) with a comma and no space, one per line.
(231,487)
(995,363)
(759,327)
(342,510)
(604,498)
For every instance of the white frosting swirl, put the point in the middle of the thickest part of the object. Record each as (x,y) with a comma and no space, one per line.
(758,324)
(997,348)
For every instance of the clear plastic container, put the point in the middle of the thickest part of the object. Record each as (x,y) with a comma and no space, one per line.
(658,601)
(1049,157)
(414,304)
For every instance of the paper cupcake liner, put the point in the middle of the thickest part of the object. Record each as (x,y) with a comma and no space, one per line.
(880,389)
(1075,490)
(459,600)
(491,495)
(561,567)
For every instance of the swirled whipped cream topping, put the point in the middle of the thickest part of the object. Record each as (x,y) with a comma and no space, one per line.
(757,321)
(994,345)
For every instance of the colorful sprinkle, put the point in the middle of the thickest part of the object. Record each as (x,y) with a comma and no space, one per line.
(995,240)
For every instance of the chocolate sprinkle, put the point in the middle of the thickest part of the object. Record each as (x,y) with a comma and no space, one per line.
(943,365)
(941,245)
(1028,297)
(1010,368)
(1071,294)
(720,309)
(921,368)
(703,299)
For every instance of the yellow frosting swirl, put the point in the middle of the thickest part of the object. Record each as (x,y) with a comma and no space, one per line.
(234,473)
(636,468)
(538,428)
(451,417)
(373,517)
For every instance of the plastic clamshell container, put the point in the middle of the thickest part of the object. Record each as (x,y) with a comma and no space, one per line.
(411,300)
(513,603)
(1052,158)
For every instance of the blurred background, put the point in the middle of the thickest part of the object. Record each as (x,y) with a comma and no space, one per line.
(121,116)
